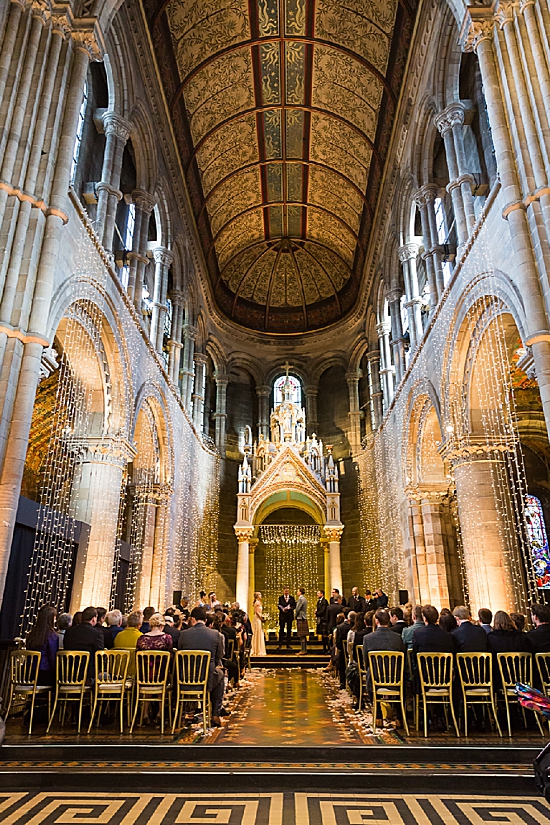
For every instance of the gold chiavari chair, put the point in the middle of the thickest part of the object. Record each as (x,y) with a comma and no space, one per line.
(191,677)
(362,673)
(436,684)
(23,681)
(71,668)
(387,673)
(151,684)
(475,671)
(515,667)
(111,681)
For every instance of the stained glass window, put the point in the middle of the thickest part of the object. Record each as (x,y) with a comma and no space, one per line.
(538,541)
(296,394)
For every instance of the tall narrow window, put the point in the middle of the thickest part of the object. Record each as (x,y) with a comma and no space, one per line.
(538,541)
(441,225)
(128,241)
(296,394)
(79,131)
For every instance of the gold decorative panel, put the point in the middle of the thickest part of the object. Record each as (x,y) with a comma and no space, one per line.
(281,110)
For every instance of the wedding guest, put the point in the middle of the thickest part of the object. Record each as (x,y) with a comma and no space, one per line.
(485,618)
(113,627)
(147,613)
(287,606)
(397,621)
(155,638)
(447,621)
(64,621)
(322,619)
(45,640)
(469,637)
(519,620)
(86,636)
(539,637)
(408,632)
(302,626)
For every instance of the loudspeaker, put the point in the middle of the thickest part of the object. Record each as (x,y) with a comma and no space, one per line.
(403,596)
(176,597)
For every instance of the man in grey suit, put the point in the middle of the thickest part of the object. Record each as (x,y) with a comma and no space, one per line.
(383,638)
(200,637)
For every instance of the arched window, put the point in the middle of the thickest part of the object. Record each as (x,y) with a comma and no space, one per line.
(296,395)
(442,237)
(127,243)
(538,541)
(79,131)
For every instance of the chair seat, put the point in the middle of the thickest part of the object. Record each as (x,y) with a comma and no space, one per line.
(388,691)
(72,688)
(30,688)
(107,686)
(150,689)
(479,691)
(437,691)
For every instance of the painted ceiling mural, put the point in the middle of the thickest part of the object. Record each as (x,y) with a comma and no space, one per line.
(283,111)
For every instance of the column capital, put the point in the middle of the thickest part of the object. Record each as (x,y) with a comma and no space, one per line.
(373,355)
(108,449)
(395,295)
(162,256)
(114,124)
(243,533)
(189,331)
(86,36)
(505,12)
(263,391)
(408,252)
(311,389)
(143,200)
(452,115)
(477,26)
(177,297)
(221,379)
(426,194)
(200,358)
(384,328)
(353,378)
(333,532)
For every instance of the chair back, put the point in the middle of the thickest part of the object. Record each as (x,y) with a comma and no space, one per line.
(111,666)
(543,667)
(435,669)
(192,668)
(386,668)
(71,667)
(475,669)
(360,658)
(152,667)
(24,667)
(230,649)
(515,667)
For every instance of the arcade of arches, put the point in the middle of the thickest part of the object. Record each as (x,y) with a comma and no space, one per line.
(274,301)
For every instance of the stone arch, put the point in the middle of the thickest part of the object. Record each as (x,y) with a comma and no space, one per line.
(247,362)
(151,395)
(144,144)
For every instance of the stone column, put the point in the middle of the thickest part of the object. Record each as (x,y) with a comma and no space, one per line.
(263,392)
(434,542)
(535,38)
(201,361)
(387,370)
(24,377)
(252,545)
(117,132)
(487,545)
(326,565)
(334,534)
(157,587)
(244,534)
(174,343)
(188,370)
(144,203)
(477,35)
(425,202)
(417,548)
(449,122)
(407,256)
(352,379)
(96,501)
(311,409)
(143,584)
(8,53)
(397,340)
(375,389)
(162,258)
(220,416)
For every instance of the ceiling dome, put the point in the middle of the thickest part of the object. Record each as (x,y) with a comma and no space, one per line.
(283,112)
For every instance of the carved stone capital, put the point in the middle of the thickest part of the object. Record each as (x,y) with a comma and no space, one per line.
(395,295)
(200,358)
(333,533)
(505,13)
(263,391)
(162,256)
(221,379)
(143,200)
(177,297)
(477,26)
(86,35)
(189,332)
(383,328)
(42,9)
(114,124)
(103,186)
(426,194)
(408,252)
(243,533)
(452,116)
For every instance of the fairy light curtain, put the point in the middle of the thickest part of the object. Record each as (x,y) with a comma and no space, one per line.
(291,558)
(538,541)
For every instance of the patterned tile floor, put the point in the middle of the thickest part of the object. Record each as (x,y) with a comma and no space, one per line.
(67,808)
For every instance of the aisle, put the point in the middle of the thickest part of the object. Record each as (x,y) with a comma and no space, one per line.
(290,707)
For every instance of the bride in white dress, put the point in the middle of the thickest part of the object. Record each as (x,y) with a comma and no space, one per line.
(258,639)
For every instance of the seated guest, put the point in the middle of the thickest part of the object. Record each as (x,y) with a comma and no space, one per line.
(432,638)
(397,621)
(112,628)
(77,618)
(170,629)
(64,620)
(147,613)
(408,632)
(369,620)
(101,613)
(539,637)
(85,636)
(356,635)
(485,618)
(469,638)
(447,621)
(128,637)
(383,637)
(340,636)
(156,638)
(519,620)
(43,638)
(505,637)
(381,598)
(200,637)
(333,610)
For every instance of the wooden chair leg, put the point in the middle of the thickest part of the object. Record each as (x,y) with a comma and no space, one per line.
(52,714)
(494,709)
(135,712)
(425,716)
(453,714)
(94,708)
(404,715)
(33,697)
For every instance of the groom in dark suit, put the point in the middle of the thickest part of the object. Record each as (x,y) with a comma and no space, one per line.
(287,606)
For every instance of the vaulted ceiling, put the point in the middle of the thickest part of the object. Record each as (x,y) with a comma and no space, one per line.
(283,111)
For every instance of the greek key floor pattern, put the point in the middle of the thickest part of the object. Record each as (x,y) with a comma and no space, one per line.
(269,809)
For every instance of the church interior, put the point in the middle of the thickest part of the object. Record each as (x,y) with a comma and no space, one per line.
(274,373)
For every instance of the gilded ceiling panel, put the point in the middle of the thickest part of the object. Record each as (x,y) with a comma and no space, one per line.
(335,144)
(282,112)
(345,87)
(201,28)
(219,91)
(349,25)
(234,146)
(233,197)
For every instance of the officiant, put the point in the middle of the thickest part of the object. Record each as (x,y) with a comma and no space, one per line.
(287,606)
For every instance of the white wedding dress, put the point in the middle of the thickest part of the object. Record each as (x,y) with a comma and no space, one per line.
(258,639)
